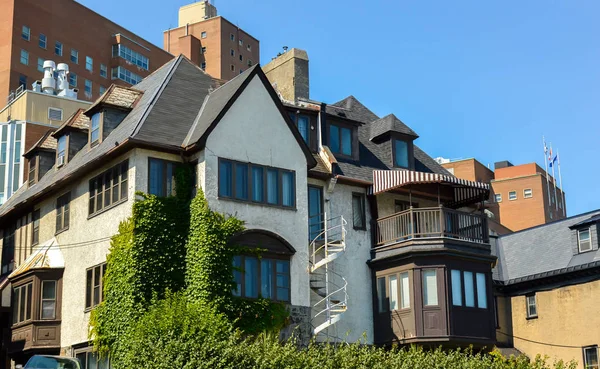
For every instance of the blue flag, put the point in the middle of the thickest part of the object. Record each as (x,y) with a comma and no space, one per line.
(553,161)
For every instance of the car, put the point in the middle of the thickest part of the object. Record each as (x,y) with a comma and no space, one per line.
(52,362)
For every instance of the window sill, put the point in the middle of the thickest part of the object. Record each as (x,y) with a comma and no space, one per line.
(292,208)
(532,317)
(360,228)
(61,231)
(110,207)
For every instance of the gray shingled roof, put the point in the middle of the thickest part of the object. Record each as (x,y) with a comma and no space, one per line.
(388,124)
(374,156)
(541,251)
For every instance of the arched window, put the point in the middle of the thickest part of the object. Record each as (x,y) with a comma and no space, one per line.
(267,275)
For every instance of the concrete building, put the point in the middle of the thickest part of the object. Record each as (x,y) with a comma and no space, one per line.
(521,195)
(212,42)
(548,286)
(23,121)
(98,51)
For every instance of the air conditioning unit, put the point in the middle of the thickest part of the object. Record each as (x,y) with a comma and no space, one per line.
(61,161)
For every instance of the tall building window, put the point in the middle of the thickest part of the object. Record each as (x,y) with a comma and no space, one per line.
(340,140)
(24,57)
(89,63)
(26,33)
(232,52)
(498,197)
(17,156)
(125,75)
(257,183)
(264,277)
(94,291)
(108,188)
(22,299)
(42,42)
(527,193)
(512,195)
(249,62)
(62,212)
(103,71)
(241,42)
(102,90)
(161,173)
(203,50)
(430,292)
(23,81)
(203,34)
(584,241)
(203,65)
(232,37)
(131,56)
(74,56)
(72,79)
(590,357)
(241,57)
(248,47)
(3,159)
(48,299)
(401,154)
(358,211)
(58,48)
(232,67)
(40,65)
(531,305)
(88,87)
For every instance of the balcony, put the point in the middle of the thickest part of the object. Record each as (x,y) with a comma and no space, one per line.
(431,223)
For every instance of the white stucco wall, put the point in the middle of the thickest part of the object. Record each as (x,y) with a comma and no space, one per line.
(358,319)
(254,131)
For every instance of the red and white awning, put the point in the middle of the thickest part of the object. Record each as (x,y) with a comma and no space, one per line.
(464,191)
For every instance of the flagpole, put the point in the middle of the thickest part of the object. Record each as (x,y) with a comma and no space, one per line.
(546,167)
(561,186)
(553,179)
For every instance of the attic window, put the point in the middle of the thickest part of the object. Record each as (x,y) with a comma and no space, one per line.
(95,129)
(584,241)
(61,152)
(401,154)
(340,140)
(32,167)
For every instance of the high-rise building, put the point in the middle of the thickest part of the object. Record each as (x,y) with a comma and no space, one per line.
(522,195)
(212,42)
(99,51)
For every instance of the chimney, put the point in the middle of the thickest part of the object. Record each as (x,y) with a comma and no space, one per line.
(289,71)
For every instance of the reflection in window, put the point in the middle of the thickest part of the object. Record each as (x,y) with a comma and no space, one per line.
(400,153)
(269,278)
(481,291)
(456,288)
(393,292)
(303,127)
(340,140)
(430,293)
(381,294)
(469,290)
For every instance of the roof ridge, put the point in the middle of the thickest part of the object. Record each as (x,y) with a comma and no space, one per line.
(546,224)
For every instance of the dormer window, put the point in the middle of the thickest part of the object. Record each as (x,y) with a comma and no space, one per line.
(584,240)
(32,170)
(340,140)
(401,157)
(61,156)
(95,129)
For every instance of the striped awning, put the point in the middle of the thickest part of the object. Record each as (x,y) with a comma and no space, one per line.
(464,191)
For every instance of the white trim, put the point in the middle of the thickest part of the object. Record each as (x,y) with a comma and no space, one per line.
(496,195)
(589,239)
(525,193)
(61,113)
(516,197)
(534,304)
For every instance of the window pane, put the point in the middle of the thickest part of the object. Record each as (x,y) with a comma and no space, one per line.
(346,141)
(314,212)
(358,211)
(22,305)
(251,275)
(48,290)
(481,291)
(266,278)
(381,294)
(82,356)
(272,186)
(29,300)
(401,151)
(469,290)
(257,184)
(334,139)
(170,179)
(92,361)
(456,288)
(15,304)
(225,179)
(241,181)
(287,185)
(430,295)
(393,292)
(303,127)
(237,275)
(591,357)
(404,283)
(48,309)
(283,280)
(156,178)
(88,289)
(103,363)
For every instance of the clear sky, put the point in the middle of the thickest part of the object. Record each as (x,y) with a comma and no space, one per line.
(483,79)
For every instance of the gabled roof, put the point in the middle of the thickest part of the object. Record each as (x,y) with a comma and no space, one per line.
(351,108)
(45,256)
(542,251)
(116,96)
(46,143)
(77,120)
(390,124)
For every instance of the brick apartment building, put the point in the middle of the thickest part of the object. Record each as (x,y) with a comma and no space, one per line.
(519,198)
(98,51)
(212,42)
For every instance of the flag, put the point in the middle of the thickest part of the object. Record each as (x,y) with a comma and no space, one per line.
(552,161)
(550,156)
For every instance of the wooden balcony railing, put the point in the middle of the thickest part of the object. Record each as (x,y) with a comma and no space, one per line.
(423,223)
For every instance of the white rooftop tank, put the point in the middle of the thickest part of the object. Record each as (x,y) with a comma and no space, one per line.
(48,82)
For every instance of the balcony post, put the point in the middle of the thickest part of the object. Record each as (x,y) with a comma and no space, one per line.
(442,222)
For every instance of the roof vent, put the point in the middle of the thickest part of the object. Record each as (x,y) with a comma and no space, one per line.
(48,82)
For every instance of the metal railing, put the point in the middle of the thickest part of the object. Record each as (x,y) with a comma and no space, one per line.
(420,223)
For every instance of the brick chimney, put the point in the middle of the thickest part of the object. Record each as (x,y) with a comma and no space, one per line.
(288,73)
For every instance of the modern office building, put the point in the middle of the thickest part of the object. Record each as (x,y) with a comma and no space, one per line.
(99,51)
(522,195)
(212,42)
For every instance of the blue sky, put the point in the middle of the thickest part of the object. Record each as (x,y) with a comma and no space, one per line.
(483,79)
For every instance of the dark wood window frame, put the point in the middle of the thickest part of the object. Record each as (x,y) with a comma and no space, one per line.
(48,299)
(464,290)
(33,170)
(22,303)
(83,355)
(385,308)
(100,129)
(273,258)
(249,190)
(409,148)
(98,190)
(363,216)
(63,212)
(587,365)
(164,164)
(295,117)
(529,315)
(353,139)
(94,278)
(35,227)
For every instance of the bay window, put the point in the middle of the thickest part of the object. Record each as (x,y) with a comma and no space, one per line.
(468,289)
(48,299)
(393,292)
(22,298)
(430,290)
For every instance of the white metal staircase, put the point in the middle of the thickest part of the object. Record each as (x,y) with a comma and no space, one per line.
(329,285)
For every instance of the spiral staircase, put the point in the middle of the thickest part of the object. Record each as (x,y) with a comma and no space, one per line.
(330,287)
